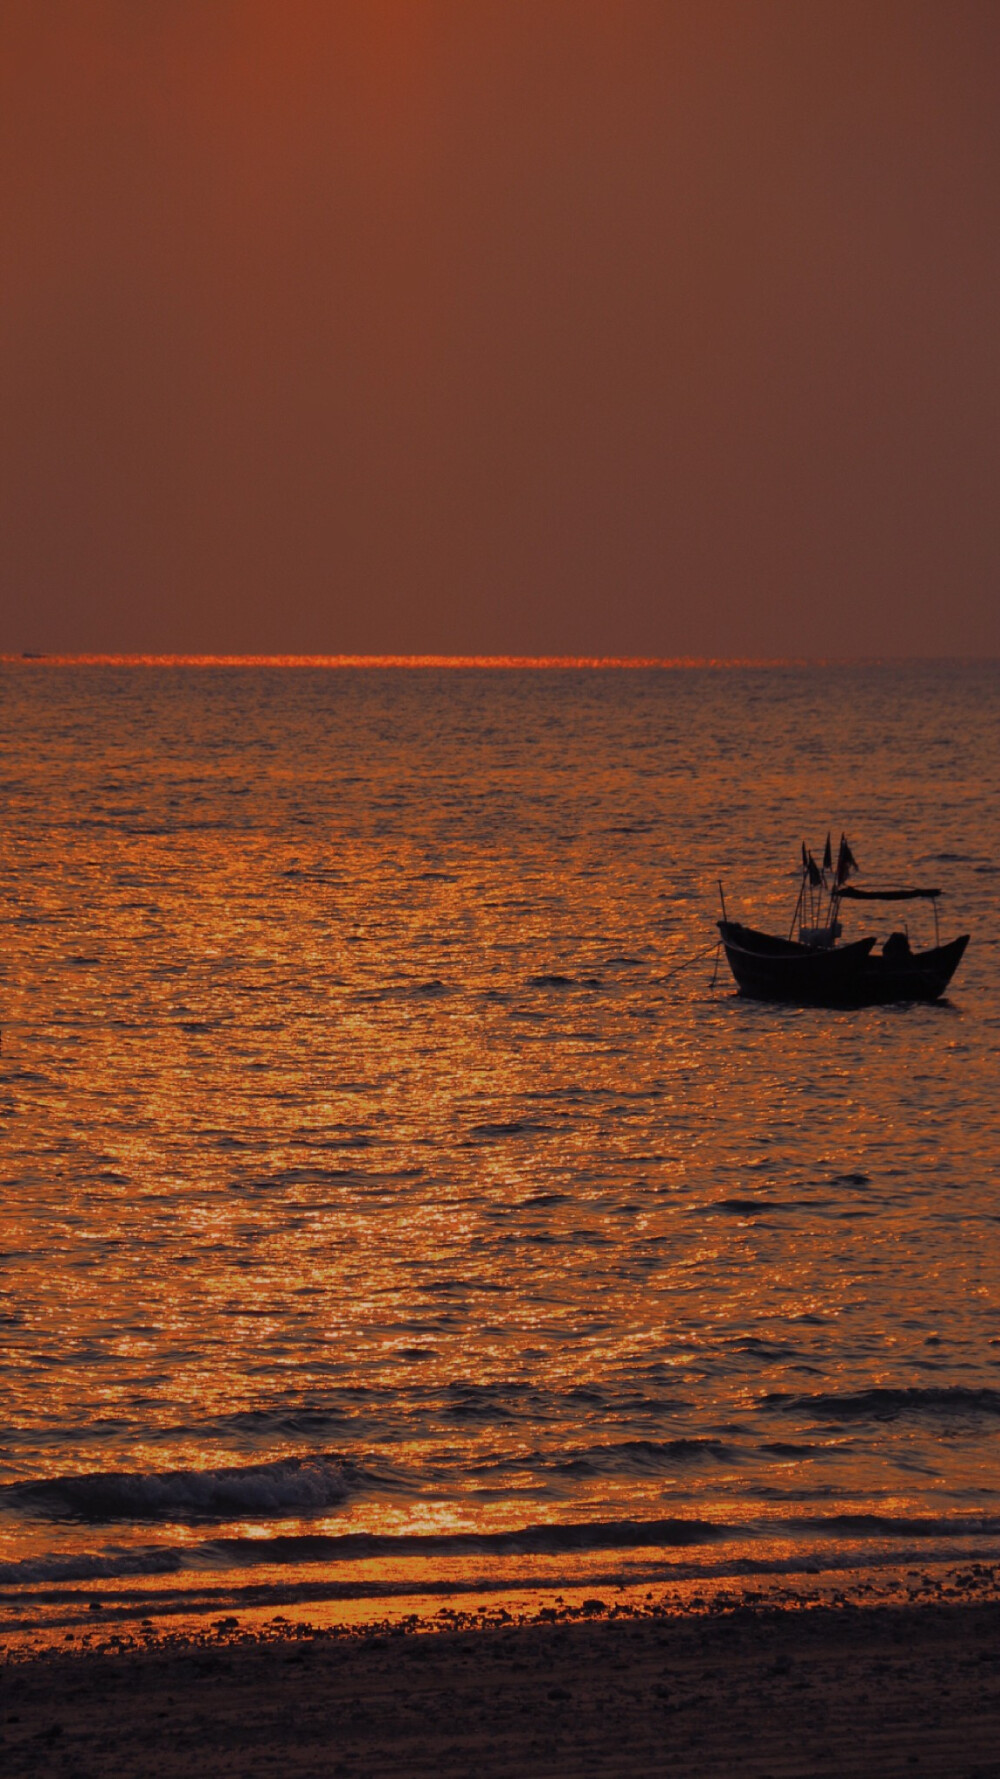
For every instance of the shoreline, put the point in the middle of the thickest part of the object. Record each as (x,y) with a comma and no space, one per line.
(798,1687)
(104,1616)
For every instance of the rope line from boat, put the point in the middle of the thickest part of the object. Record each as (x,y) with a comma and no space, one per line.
(716,946)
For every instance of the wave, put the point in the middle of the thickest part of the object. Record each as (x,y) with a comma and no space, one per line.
(878,1525)
(286,1489)
(822,1540)
(108,1565)
(352,1547)
(758,1207)
(517,1128)
(888,1404)
(642,1457)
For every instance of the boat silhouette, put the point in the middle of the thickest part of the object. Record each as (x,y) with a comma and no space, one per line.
(815,969)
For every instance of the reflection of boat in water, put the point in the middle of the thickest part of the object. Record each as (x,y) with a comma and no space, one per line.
(815,969)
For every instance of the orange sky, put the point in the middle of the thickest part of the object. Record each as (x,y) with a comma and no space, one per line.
(577,327)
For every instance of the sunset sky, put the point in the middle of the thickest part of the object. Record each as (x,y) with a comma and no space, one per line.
(594,327)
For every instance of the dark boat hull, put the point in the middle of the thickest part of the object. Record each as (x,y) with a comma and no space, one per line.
(772,969)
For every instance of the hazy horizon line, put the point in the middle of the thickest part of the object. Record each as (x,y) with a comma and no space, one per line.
(57,658)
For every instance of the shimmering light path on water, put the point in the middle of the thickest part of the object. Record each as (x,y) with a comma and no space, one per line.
(371,1168)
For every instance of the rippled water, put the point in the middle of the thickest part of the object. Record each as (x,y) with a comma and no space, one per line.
(377,1183)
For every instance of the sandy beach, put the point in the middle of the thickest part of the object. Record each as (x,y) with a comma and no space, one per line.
(849,1690)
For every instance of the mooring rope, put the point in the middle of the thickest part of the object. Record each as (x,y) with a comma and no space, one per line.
(688,961)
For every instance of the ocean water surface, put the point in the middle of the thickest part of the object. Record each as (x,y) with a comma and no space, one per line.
(392,1193)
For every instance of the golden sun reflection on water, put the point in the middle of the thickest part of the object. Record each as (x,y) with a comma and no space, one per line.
(358,1117)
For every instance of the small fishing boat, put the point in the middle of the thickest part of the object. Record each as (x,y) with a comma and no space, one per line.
(815,969)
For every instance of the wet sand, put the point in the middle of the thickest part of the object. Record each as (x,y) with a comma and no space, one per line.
(755,1691)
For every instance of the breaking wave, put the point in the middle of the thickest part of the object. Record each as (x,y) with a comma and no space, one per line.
(288,1488)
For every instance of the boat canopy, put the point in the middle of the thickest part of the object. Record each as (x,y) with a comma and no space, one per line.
(887,895)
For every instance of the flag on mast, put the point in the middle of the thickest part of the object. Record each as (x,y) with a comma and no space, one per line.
(846,862)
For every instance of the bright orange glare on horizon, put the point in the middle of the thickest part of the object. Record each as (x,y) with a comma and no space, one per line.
(480,661)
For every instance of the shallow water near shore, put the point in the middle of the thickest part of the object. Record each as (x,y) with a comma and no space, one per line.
(387,1196)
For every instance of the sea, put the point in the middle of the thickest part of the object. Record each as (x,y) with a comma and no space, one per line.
(399,1201)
